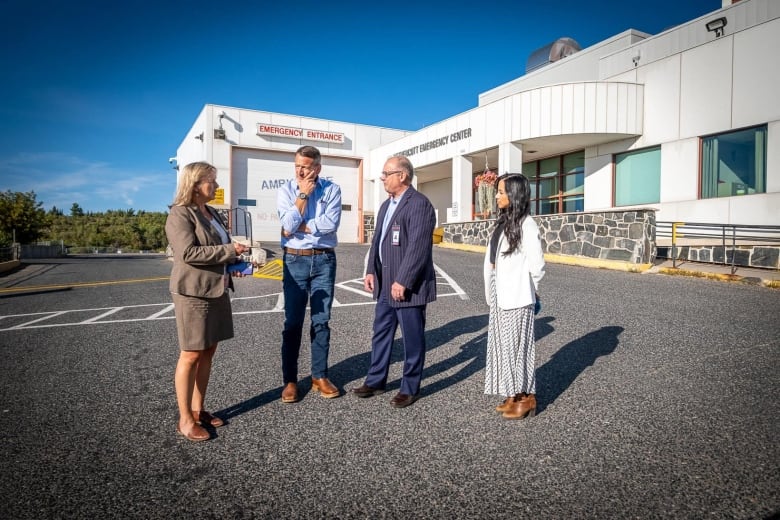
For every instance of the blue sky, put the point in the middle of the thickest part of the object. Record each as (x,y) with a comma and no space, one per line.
(97,95)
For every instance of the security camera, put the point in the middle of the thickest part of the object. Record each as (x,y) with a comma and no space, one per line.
(171,160)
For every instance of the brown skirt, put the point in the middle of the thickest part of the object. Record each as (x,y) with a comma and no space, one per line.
(202,322)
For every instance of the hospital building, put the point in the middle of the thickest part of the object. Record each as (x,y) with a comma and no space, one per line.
(633,131)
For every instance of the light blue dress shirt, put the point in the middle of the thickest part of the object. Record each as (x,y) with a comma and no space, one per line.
(322,215)
(388,218)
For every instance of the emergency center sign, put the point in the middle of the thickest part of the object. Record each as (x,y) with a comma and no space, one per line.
(300,133)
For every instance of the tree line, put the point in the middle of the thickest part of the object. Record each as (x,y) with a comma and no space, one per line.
(23,219)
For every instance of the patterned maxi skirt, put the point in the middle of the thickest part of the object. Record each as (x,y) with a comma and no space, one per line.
(510,367)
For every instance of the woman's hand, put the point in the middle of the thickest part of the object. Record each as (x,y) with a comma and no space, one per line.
(240,248)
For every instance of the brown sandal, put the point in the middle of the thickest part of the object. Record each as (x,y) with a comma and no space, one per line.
(203,416)
(197,433)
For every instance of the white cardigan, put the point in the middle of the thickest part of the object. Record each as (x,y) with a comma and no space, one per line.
(517,275)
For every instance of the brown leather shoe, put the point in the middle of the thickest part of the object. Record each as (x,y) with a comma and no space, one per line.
(324,387)
(402,400)
(523,406)
(290,393)
(367,391)
(203,416)
(506,405)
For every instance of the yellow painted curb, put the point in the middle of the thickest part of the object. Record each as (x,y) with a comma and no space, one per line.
(723,277)
(598,263)
(462,247)
(22,288)
(699,274)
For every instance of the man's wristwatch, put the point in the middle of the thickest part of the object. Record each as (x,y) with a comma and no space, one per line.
(303,196)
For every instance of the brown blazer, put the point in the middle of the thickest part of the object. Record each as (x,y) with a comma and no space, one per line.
(199,256)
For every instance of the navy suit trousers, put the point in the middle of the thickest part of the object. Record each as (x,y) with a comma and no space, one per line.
(386,321)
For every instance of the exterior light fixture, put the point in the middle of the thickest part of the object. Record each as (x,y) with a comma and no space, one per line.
(219,133)
(717,26)
(199,136)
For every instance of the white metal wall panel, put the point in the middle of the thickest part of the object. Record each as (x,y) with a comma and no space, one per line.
(601,107)
(566,109)
(705,89)
(755,57)
(773,161)
(591,107)
(661,100)
(556,110)
(679,170)
(598,182)
(615,104)
(577,114)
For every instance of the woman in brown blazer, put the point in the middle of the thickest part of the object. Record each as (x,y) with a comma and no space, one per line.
(202,249)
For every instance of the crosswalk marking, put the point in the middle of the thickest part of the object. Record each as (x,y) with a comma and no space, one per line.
(267,303)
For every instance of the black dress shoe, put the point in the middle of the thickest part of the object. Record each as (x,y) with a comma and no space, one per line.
(402,400)
(367,391)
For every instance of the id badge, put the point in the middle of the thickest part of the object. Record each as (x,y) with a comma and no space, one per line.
(396,234)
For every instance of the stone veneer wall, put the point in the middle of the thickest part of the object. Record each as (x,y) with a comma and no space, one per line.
(368,227)
(627,236)
(762,256)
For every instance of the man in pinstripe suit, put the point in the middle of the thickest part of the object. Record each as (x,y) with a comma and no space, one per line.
(401,276)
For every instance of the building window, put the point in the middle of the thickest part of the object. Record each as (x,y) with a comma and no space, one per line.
(734,163)
(557,184)
(638,177)
(573,182)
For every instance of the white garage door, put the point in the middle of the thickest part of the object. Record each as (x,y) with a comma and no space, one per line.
(257,175)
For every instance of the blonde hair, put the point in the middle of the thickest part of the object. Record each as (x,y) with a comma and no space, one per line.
(191,175)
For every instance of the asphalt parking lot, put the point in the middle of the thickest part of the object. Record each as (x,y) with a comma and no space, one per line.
(657,399)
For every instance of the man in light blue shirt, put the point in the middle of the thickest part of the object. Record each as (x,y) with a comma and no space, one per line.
(310,212)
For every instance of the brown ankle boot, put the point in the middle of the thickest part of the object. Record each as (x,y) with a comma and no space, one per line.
(503,407)
(522,406)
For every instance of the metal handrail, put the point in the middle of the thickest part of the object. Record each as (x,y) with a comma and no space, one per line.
(722,232)
(10,253)
(247,217)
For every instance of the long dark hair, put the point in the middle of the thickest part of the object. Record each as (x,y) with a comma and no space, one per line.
(511,218)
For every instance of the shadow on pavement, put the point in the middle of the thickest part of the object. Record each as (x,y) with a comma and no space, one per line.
(473,351)
(354,369)
(21,291)
(555,376)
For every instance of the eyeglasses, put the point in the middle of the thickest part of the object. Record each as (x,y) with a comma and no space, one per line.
(385,175)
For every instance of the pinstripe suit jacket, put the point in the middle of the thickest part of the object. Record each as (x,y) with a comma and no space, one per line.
(199,256)
(409,263)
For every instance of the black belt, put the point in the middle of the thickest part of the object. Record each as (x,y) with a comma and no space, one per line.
(307,252)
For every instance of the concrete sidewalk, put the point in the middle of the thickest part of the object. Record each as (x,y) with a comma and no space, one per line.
(765,277)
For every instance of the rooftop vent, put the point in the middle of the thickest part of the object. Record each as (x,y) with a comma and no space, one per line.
(550,53)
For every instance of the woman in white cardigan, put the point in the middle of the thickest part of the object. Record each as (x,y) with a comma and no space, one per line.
(514,265)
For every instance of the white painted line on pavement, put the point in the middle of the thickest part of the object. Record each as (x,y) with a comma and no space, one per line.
(109,313)
(458,291)
(156,315)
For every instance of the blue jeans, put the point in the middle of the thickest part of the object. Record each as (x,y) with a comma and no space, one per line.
(307,279)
